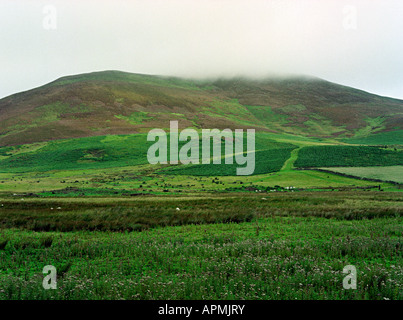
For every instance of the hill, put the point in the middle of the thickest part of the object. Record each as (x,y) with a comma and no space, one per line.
(113,102)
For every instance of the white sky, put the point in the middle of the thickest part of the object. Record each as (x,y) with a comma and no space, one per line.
(355,43)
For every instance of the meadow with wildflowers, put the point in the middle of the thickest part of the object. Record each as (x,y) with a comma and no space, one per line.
(288,246)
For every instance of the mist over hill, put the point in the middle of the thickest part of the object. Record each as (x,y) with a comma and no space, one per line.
(114,102)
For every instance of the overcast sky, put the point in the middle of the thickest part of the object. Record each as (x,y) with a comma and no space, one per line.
(355,43)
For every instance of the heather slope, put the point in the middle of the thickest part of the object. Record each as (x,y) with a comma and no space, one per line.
(113,102)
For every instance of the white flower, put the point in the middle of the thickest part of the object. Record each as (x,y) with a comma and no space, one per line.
(177,209)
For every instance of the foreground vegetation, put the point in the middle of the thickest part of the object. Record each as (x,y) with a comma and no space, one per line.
(283,246)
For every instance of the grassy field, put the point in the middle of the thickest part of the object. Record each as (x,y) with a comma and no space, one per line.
(83,153)
(384,138)
(348,156)
(115,151)
(139,179)
(283,246)
(77,191)
(116,227)
(393,173)
(117,165)
(267,161)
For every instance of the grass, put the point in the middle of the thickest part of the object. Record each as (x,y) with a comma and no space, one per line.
(120,103)
(53,215)
(347,156)
(230,110)
(266,161)
(384,138)
(124,77)
(289,164)
(116,227)
(373,126)
(124,181)
(91,152)
(268,118)
(295,247)
(43,115)
(135,117)
(393,173)
(124,150)
(95,161)
(122,216)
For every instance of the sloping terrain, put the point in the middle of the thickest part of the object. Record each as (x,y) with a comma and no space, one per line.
(114,102)
(86,135)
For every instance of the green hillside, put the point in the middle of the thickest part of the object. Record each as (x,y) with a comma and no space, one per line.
(113,102)
(87,134)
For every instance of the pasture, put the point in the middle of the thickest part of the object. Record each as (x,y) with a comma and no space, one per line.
(116,227)
(283,246)
(348,156)
(392,173)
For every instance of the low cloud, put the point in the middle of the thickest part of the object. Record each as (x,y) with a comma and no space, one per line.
(355,43)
